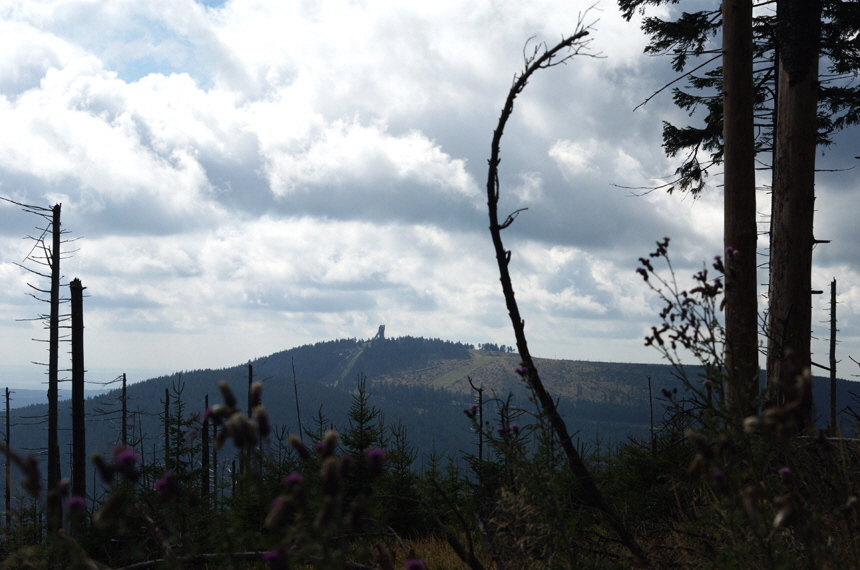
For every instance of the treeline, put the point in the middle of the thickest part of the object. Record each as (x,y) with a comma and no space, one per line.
(383,357)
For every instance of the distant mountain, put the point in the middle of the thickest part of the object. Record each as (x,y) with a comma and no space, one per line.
(23,397)
(423,383)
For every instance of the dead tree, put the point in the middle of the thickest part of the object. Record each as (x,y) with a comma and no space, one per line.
(47,252)
(8,496)
(544,57)
(79,440)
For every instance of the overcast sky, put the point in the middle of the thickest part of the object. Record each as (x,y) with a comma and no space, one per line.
(252,176)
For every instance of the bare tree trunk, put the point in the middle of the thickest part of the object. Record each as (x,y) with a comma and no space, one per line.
(739,232)
(8,465)
(298,411)
(166,428)
(204,467)
(790,312)
(833,429)
(54,507)
(79,440)
(542,60)
(124,433)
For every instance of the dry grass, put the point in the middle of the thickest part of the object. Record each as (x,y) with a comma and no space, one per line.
(436,553)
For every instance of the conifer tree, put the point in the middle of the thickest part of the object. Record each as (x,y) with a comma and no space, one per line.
(364,432)
(795,109)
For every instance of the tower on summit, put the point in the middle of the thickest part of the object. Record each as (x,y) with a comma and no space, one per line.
(380,334)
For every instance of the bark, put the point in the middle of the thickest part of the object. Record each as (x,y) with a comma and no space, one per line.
(790,312)
(79,441)
(739,231)
(54,508)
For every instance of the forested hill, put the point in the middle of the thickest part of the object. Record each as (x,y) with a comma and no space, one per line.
(422,383)
(337,361)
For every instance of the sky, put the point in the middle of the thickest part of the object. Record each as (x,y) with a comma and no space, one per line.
(245,177)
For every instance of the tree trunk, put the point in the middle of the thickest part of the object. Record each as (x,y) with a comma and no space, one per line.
(204,464)
(79,440)
(54,507)
(739,232)
(124,432)
(790,313)
(8,497)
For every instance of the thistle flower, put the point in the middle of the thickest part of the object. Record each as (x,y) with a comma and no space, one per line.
(242,430)
(227,394)
(125,460)
(752,424)
(330,474)
(276,559)
(329,441)
(279,513)
(375,457)
(167,485)
(263,426)
(300,448)
(720,481)
(292,480)
(256,394)
(414,564)
(76,504)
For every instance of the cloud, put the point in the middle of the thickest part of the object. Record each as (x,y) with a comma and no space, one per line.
(249,176)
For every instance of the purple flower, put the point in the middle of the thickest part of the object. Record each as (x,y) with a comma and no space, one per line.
(76,504)
(374,460)
(785,474)
(515,428)
(414,564)
(293,479)
(521,370)
(167,485)
(706,382)
(125,459)
(730,252)
(719,479)
(276,558)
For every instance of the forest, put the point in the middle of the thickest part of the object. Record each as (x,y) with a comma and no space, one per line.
(736,467)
